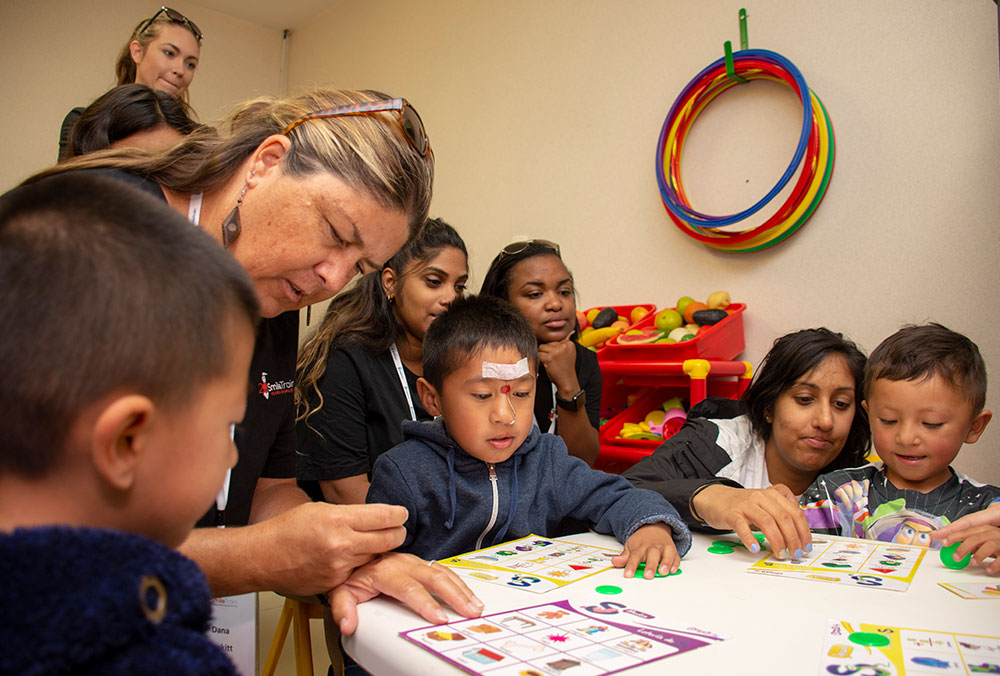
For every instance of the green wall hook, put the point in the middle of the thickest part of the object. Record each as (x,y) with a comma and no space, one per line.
(728,46)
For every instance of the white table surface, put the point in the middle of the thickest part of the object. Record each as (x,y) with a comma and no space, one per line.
(772,625)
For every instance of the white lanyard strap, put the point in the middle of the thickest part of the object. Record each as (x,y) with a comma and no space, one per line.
(402,379)
(194,208)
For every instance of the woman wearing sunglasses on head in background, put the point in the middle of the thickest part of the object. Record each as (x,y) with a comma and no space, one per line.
(357,373)
(162,54)
(533,277)
(305,192)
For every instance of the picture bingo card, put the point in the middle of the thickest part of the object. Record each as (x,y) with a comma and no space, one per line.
(579,637)
(868,649)
(852,561)
(973,590)
(533,563)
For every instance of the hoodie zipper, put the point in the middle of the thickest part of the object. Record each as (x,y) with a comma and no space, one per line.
(496,506)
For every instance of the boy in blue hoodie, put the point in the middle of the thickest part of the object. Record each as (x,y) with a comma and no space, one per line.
(481,473)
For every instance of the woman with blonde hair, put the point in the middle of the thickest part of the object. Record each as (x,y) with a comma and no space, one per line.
(161,53)
(305,192)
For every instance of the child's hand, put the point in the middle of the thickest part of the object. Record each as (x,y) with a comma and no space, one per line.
(654,544)
(983,542)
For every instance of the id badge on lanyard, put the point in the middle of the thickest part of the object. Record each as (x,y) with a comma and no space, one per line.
(402,380)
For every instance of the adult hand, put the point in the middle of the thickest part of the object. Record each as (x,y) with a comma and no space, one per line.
(313,547)
(559,360)
(409,579)
(953,532)
(774,511)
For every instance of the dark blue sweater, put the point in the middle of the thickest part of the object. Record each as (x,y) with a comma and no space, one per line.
(452,506)
(70,604)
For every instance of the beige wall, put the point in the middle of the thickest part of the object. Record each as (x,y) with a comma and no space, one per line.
(58,54)
(544,118)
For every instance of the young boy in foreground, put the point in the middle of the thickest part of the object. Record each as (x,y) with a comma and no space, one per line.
(482,473)
(126,341)
(925,388)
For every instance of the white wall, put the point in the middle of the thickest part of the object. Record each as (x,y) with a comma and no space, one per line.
(58,54)
(544,118)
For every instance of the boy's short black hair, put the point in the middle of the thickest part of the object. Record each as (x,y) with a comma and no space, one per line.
(470,324)
(916,352)
(103,287)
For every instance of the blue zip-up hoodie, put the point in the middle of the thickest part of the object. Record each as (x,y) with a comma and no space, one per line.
(455,507)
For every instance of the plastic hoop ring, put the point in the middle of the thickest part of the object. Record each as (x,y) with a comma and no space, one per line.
(813,159)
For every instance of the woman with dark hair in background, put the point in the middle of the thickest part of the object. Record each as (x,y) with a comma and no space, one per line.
(131,116)
(162,53)
(357,374)
(739,465)
(533,277)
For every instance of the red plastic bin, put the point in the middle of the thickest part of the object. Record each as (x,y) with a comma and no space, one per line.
(722,341)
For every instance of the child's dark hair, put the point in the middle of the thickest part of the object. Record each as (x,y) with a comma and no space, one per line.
(917,352)
(497,280)
(469,325)
(792,356)
(104,287)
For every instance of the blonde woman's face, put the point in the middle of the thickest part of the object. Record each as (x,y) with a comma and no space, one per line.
(304,239)
(168,62)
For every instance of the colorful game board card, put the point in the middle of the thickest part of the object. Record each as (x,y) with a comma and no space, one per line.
(879,650)
(533,563)
(580,637)
(840,560)
(974,590)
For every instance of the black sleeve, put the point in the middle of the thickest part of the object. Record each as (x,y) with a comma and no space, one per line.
(682,464)
(332,441)
(65,131)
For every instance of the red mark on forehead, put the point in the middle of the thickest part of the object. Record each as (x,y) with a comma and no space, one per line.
(505,389)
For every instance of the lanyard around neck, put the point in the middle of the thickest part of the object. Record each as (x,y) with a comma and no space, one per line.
(402,379)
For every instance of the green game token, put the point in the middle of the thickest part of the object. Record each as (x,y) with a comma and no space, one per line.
(721,549)
(608,589)
(948,557)
(760,537)
(641,568)
(869,639)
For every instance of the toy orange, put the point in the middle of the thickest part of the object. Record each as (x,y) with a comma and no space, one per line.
(691,309)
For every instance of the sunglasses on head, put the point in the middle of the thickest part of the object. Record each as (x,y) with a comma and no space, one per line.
(520,247)
(406,117)
(175,17)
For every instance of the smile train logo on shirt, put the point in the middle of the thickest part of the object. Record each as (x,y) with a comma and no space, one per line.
(266,389)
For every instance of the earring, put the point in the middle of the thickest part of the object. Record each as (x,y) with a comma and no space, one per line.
(389,297)
(231,227)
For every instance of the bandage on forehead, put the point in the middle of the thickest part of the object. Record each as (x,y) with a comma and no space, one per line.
(506,371)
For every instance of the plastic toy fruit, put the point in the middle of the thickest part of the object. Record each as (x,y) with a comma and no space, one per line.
(719,300)
(639,336)
(638,312)
(680,334)
(604,318)
(691,308)
(667,320)
(682,303)
(581,319)
(709,317)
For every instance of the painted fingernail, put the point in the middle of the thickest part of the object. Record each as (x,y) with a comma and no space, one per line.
(809,547)
(755,547)
(798,554)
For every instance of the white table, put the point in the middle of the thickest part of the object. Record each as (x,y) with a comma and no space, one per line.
(773,626)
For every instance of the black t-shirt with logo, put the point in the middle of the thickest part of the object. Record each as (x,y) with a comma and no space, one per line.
(266,437)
